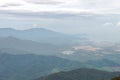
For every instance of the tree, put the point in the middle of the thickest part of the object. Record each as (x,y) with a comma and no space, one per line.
(116,78)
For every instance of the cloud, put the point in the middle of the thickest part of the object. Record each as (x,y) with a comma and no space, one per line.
(44,14)
(11,5)
(86,48)
(85,7)
(108,24)
(45,2)
(69,52)
(118,24)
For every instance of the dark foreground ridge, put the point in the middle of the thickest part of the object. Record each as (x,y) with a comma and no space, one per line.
(82,74)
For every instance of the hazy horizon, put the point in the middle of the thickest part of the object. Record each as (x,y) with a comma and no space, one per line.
(59,39)
(96,18)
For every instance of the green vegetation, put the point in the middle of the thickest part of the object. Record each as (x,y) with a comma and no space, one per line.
(116,78)
(30,66)
(81,74)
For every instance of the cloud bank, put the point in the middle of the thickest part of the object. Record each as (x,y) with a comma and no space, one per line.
(45,2)
(66,6)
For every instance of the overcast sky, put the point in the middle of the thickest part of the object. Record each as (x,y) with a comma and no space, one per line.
(97,18)
(63,6)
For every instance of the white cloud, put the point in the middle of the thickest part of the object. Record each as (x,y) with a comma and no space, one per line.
(11,5)
(108,24)
(118,24)
(68,52)
(45,2)
(86,48)
(11,2)
(67,6)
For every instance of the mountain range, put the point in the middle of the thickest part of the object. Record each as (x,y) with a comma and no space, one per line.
(18,45)
(81,74)
(30,66)
(33,53)
(101,56)
(40,35)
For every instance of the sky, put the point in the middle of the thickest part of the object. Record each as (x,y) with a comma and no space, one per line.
(100,19)
(62,6)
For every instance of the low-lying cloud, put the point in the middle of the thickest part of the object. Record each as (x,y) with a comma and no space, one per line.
(69,6)
(45,2)
(11,5)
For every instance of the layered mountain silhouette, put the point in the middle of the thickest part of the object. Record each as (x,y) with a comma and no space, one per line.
(102,63)
(40,35)
(17,46)
(81,74)
(33,53)
(30,66)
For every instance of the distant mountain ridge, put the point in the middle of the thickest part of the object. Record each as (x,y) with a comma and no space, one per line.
(30,66)
(103,62)
(40,35)
(81,74)
(12,43)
